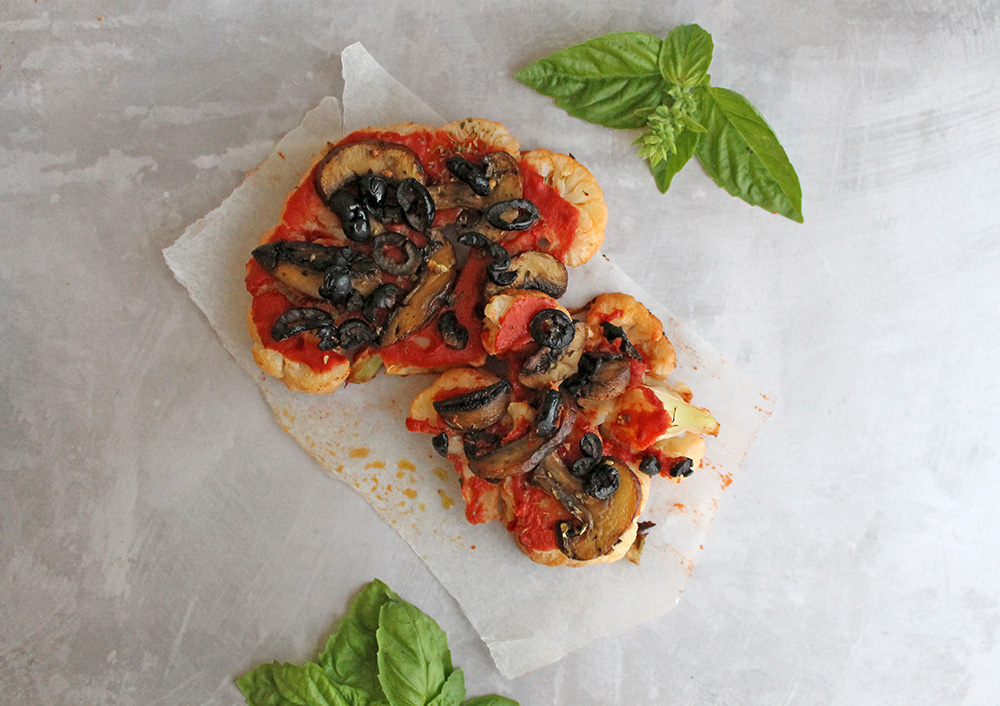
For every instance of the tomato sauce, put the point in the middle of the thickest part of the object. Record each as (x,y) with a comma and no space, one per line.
(265,310)
(641,419)
(554,231)
(536,514)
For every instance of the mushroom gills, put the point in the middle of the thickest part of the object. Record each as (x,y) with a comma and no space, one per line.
(599,524)
(523,454)
(477,409)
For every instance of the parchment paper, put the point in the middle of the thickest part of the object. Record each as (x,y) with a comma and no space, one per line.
(528,615)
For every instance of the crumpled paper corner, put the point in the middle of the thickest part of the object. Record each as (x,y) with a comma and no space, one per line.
(557,610)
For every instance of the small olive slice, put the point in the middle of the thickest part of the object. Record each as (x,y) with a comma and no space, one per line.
(552,328)
(515,214)
(477,409)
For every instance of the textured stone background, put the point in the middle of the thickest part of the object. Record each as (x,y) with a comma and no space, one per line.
(159,534)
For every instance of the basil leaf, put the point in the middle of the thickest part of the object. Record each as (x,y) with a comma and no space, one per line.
(307,685)
(413,655)
(664,170)
(685,55)
(612,80)
(490,700)
(350,654)
(452,692)
(259,689)
(741,153)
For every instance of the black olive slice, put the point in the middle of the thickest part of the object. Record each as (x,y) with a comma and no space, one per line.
(337,287)
(591,445)
(501,279)
(613,333)
(501,258)
(373,192)
(417,204)
(353,217)
(525,216)
(383,249)
(552,328)
(329,338)
(546,366)
(440,444)
(603,479)
(455,335)
(477,409)
(547,419)
(682,468)
(582,467)
(355,332)
(650,464)
(386,296)
(300,319)
(472,175)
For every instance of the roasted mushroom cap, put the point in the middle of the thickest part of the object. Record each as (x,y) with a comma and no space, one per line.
(535,270)
(385,159)
(500,168)
(297,264)
(599,524)
(477,409)
(600,376)
(522,455)
(546,366)
(426,297)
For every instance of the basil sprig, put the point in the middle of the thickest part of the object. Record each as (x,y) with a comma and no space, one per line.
(635,80)
(385,652)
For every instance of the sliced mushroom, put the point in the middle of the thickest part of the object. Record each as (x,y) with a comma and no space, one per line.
(546,367)
(297,264)
(477,409)
(535,270)
(385,159)
(599,524)
(523,454)
(600,377)
(427,297)
(500,169)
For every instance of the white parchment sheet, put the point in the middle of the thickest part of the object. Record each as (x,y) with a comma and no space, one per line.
(528,615)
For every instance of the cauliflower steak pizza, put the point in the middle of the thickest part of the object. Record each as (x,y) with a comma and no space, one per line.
(445,250)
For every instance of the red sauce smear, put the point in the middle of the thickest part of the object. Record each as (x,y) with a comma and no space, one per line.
(641,420)
(265,310)
(555,230)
